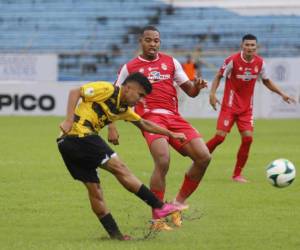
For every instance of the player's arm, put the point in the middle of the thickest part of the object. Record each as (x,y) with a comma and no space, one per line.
(154,128)
(193,89)
(274,88)
(112,132)
(213,100)
(74,96)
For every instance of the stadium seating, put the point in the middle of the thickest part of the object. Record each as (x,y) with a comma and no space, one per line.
(94,38)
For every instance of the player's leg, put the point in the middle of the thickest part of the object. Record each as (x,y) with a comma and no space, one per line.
(215,141)
(134,185)
(198,152)
(245,126)
(242,155)
(99,208)
(224,124)
(159,149)
(82,163)
(195,148)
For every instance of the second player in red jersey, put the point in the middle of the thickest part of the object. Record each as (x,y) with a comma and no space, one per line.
(161,107)
(241,72)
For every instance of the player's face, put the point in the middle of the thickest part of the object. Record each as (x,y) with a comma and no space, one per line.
(249,48)
(132,93)
(150,43)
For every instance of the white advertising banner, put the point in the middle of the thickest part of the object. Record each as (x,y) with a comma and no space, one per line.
(283,71)
(50,98)
(28,67)
(34,98)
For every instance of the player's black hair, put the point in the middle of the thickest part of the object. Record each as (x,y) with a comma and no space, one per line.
(149,27)
(140,79)
(249,37)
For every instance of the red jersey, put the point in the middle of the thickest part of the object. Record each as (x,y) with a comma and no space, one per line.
(162,72)
(241,77)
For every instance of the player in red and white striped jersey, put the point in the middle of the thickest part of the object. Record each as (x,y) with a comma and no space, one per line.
(241,71)
(161,107)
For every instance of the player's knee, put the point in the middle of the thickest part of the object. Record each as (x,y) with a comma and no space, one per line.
(203,159)
(207,158)
(162,163)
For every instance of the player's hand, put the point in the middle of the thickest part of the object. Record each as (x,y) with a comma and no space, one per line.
(213,100)
(179,136)
(66,126)
(288,99)
(199,83)
(113,136)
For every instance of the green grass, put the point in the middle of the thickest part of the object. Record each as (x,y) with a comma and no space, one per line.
(41,207)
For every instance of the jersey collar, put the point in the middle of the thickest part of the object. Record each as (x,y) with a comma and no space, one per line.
(144,60)
(242,57)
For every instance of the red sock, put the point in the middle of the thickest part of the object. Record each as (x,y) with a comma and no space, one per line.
(159,195)
(187,188)
(242,155)
(214,142)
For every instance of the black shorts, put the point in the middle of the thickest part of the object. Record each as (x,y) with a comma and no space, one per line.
(82,155)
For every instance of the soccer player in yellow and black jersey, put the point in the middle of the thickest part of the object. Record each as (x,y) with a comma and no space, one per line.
(83,150)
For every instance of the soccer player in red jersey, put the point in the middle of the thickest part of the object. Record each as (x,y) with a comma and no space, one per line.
(241,71)
(161,107)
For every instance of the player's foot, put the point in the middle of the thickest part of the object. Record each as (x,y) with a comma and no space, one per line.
(176,218)
(160,225)
(125,238)
(239,179)
(167,209)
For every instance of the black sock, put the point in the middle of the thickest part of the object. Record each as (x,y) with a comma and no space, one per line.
(111,226)
(147,196)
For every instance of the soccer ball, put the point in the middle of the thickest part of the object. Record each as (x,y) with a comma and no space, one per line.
(281,173)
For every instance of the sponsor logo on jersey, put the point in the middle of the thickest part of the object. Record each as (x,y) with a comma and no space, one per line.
(152,68)
(89,91)
(164,66)
(155,76)
(247,76)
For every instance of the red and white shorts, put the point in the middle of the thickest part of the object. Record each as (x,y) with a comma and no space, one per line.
(174,123)
(227,118)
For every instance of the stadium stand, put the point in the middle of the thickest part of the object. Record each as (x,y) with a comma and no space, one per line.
(93,38)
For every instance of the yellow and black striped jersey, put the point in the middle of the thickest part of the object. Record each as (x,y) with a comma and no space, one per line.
(100,106)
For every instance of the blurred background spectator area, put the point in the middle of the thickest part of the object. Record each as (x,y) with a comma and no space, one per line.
(93,38)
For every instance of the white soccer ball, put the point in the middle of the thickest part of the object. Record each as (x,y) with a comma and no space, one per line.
(281,173)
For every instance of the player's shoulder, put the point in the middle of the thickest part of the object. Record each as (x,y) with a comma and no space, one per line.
(165,56)
(132,62)
(258,58)
(104,85)
(231,58)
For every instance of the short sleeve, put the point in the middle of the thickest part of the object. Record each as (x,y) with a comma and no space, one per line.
(180,76)
(122,75)
(96,91)
(227,66)
(131,116)
(264,73)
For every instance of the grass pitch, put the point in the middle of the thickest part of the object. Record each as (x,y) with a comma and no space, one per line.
(41,207)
